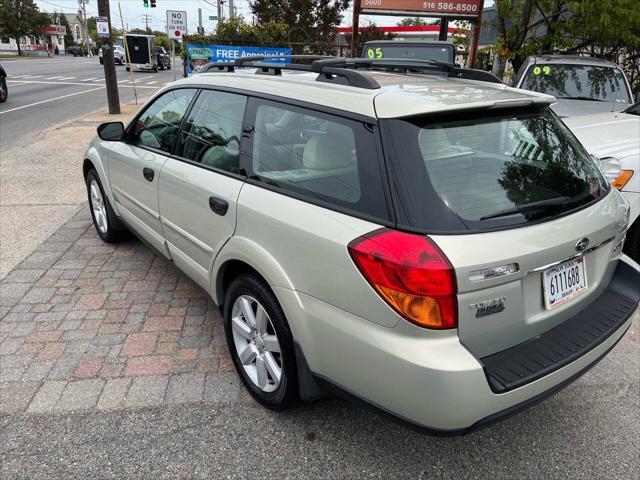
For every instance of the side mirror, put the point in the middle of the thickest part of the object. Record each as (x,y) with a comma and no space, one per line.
(111,131)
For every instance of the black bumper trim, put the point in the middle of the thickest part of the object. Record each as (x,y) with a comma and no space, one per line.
(562,345)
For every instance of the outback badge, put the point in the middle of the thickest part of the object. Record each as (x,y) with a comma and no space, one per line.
(488,307)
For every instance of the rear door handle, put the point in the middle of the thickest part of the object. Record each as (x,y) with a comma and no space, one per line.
(218,205)
(148,173)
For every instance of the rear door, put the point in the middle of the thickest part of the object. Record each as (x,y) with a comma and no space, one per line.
(135,164)
(199,187)
(519,272)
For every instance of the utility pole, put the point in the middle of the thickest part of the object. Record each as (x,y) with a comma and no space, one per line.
(83,6)
(355,25)
(200,28)
(111,81)
(232,10)
(147,18)
(220,11)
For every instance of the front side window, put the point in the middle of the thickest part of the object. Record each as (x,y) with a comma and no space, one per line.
(211,135)
(489,171)
(157,127)
(320,156)
(578,82)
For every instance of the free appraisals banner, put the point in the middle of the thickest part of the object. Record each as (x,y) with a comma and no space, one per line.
(198,55)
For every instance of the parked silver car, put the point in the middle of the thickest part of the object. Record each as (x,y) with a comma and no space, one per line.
(119,55)
(582,85)
(437,246)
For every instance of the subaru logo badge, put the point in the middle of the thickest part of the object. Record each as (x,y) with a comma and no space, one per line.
(582,244)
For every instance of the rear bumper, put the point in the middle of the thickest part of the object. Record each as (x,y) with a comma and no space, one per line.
(426,378)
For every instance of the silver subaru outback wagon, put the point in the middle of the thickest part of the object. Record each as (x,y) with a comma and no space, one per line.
(410,234)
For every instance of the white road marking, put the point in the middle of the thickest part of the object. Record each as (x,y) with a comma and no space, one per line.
(53,78)
(89,79)
(66,78)
(98,79)
(151,83)
(77,83)
(32,76)
(50,100)
(19,76)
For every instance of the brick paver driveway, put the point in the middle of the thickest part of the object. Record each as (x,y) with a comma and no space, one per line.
(114,365)
(86,324)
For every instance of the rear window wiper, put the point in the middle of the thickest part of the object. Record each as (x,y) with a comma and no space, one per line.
(548,203)
(590,99)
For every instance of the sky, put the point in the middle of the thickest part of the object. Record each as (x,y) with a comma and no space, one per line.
(133,12)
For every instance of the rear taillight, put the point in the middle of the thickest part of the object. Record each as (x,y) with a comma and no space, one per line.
(411,274)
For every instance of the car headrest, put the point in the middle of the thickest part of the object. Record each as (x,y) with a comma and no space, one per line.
(332,150)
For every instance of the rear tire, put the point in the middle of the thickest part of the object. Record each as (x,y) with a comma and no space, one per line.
(632,243)
(266,362)
(105,221)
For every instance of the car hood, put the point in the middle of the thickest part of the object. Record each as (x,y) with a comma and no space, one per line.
(609,134)
(574,108)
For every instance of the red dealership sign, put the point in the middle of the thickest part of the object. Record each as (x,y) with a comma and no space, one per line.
(437,8)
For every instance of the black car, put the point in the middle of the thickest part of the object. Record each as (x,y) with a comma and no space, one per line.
(4,93)
(164,59)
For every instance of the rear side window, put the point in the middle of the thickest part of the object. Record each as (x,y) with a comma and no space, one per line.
(488,172)
(157,127)
(211,135)
(319,156)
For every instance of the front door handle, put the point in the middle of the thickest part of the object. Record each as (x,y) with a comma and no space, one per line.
(218,205)
(148,173)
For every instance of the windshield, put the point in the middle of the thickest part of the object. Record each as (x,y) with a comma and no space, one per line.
(488,172)
(440,53)
(581,82)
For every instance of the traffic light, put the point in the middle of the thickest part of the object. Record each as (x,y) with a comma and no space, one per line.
(145,3)
(153,3)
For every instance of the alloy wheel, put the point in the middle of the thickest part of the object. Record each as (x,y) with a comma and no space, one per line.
(98,206)
(256,343)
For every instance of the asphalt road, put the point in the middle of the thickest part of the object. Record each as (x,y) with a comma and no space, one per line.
(588,431)
(45,92)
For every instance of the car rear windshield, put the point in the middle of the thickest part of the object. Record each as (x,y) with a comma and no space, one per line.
(487,171)
(440,53)
(578,82)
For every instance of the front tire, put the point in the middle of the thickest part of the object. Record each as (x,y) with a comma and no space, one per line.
(105,221)
(260,341)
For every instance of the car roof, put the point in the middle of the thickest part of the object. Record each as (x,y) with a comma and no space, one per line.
(400,95)
(571,60)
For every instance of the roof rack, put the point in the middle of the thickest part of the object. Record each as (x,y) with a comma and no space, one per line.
(328,74)
(344,70)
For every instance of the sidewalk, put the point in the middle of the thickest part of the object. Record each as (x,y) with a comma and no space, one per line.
(41,185)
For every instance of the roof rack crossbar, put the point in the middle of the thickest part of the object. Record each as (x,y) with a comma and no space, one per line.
(344,70)
(326,74)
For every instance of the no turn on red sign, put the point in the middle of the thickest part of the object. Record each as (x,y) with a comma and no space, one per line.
(176,24)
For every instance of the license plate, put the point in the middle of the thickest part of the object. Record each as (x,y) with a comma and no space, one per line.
(564,282)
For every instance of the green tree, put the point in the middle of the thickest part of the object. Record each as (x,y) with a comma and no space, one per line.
(312,24)
(369,33)
(21,18)
(414,22)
